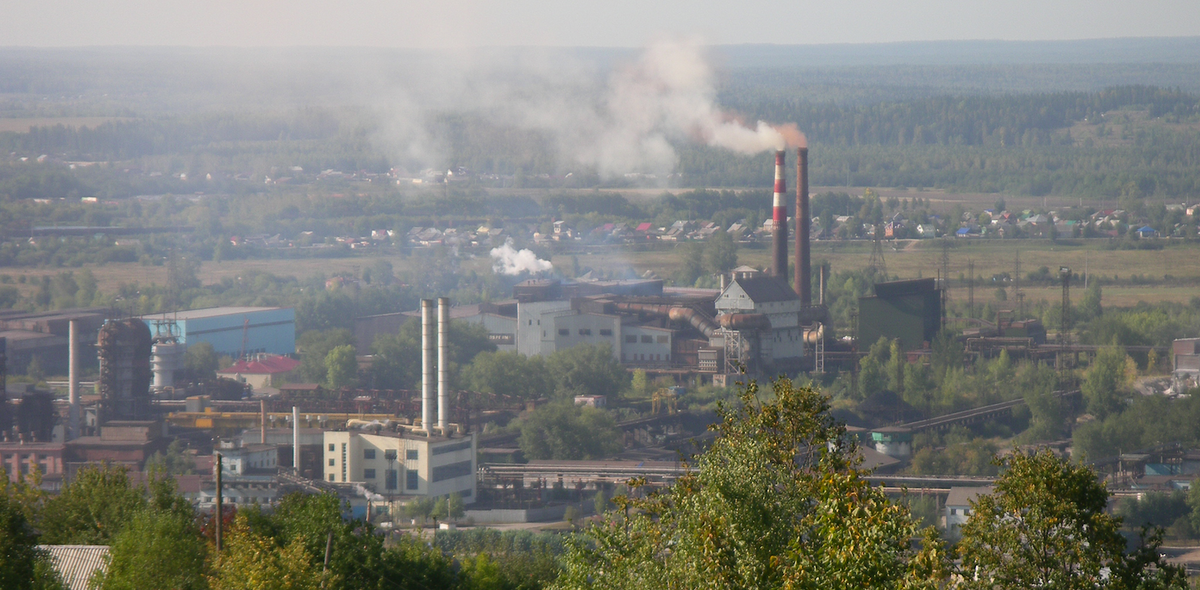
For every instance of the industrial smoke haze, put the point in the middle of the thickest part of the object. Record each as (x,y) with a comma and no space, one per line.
(507,260)
(617,121)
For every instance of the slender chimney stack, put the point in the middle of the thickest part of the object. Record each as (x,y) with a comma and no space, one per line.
(803,224)
(427,395)
(73,409)
(779,231)
(296,440)
(443,368)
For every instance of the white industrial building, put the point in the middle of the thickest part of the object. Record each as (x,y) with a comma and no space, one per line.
(768,296)
(404,464)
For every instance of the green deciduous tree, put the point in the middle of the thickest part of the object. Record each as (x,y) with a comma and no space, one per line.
(18,546)
(341,367)
(157,549)
(562,430)
(508,374)
(92,508)
(587,370)
(720,252)
(201,360)
(1105,381)
(1045,526)
(314,346)
(777,501)
(253,561)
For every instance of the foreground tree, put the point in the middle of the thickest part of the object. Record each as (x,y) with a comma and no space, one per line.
(157,549)
(1045,526)
(778,500)
(92,508)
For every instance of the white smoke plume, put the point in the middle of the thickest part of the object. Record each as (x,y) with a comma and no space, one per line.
(620,120)
(507,260)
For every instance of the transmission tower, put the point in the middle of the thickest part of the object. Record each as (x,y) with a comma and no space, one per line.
(877,261)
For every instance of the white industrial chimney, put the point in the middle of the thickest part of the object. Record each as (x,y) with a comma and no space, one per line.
(443,368)
(427,399)
(296,439)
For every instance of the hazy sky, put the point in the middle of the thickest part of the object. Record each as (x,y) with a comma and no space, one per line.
(467,23)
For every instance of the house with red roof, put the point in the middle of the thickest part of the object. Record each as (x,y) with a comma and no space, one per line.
(262,370)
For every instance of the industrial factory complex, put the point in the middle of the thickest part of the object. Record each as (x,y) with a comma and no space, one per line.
(378,448)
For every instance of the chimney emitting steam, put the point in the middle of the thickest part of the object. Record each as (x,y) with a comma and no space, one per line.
(779,230)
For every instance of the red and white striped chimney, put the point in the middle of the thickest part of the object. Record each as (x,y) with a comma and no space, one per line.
(779,231)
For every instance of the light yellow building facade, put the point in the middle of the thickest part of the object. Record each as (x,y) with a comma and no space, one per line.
(402,464)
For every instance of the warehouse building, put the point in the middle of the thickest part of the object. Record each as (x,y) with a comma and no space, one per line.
(232,330)
(908,311)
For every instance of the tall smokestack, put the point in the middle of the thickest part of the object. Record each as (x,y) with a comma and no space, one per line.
(803,223)
(779,220)
(73,380)
(443,368)
(296,440)
(427,400)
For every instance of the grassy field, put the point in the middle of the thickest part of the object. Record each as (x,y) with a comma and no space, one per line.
(906,259)
(23,125)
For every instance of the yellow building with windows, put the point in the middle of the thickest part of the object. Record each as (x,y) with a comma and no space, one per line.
(402,463)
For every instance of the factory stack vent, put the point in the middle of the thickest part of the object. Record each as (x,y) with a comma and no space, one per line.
(779,229)
(427,399)
(296,440)
(443,367)
(803,223)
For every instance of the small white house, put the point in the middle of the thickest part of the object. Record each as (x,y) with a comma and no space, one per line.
(958,507)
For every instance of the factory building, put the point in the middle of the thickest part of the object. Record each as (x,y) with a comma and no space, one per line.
(767,296)
(404,464)
(757,321)
(909,311)
(232,330)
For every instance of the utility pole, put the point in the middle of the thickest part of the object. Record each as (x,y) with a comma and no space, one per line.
(220,502)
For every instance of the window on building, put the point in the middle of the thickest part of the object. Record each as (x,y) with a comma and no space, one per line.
(605,332)
(411,482)
(631,339)
(368,474)
(390,479)
(411,455)
(662,339)
(954,511)
(331,462)
(647,339)
(368,453)
(332,448)
(564,332)
(330,477)
(389,455)
(585,331)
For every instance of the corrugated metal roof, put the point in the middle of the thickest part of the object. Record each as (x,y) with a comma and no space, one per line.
(77,563)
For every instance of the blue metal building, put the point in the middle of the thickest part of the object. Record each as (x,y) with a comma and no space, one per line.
(264,329)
